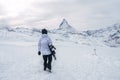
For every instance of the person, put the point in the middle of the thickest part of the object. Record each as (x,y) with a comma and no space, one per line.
(43,48)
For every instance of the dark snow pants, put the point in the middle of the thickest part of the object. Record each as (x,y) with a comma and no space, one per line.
(47,61)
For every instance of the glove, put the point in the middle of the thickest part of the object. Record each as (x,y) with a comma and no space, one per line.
(39,53)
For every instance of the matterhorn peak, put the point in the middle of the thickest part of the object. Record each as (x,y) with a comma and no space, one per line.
(64,26)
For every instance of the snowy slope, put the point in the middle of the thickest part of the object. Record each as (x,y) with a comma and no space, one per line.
(74,62)
(18,34)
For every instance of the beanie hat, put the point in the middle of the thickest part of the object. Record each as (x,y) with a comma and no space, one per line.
(44,31)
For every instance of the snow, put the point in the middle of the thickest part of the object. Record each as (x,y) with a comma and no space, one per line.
(109,36)
(79,56)
(19,61)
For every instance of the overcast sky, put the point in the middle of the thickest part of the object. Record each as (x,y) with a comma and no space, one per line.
(81,14)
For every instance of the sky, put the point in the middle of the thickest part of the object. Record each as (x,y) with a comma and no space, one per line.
(81,14)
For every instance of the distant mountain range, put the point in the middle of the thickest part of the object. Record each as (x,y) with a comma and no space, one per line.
(109,36)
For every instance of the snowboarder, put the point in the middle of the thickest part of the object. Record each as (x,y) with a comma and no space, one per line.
(43,48)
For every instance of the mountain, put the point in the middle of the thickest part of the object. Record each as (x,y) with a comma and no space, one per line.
(18,34)
(65,27)
(110,36)
(113,40)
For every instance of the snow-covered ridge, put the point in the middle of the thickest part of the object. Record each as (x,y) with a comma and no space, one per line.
(109,36)
(104,31)
(13,34)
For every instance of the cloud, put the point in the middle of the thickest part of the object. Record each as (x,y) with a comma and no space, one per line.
(82,14)
(2,11)
(49,10)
